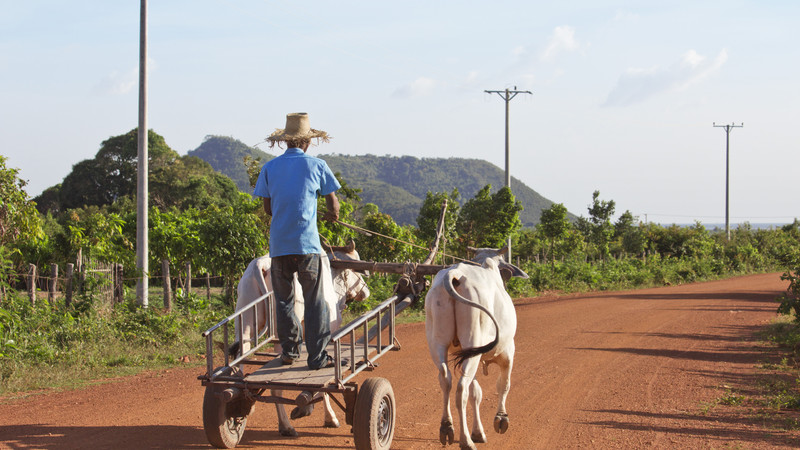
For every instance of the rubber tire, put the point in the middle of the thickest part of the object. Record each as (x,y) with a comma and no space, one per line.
(374,416)
(224,423)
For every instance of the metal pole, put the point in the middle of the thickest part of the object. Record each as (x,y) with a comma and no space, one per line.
(508,167)
(728,129)
(727,182)
(142,191)
(507,95)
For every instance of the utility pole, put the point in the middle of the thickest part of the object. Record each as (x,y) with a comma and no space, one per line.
(142,269)
(728,129)
(507,95)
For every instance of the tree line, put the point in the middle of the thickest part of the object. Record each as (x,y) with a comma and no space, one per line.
(199,217)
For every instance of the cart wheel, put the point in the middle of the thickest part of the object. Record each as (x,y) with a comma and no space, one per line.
(224,423)
(373,420)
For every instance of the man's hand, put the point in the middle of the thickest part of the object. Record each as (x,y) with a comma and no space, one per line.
(331,216)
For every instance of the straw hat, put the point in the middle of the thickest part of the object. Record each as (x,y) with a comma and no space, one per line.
(297,127)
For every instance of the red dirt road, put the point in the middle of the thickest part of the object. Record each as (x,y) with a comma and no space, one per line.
(636,369)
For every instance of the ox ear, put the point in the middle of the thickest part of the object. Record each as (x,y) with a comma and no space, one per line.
(508,270)
(503,250)
(471,251)
(351,246)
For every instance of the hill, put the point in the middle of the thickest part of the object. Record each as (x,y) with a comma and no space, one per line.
(226,154)
(398,185)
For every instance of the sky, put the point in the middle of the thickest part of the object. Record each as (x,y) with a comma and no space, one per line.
(624,94)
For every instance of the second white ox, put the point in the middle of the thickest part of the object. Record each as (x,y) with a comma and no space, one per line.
(468,310)
(338,286)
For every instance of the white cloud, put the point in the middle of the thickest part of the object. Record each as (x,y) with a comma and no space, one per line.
(637,84)
(117,83)
(420,87)
(562,39)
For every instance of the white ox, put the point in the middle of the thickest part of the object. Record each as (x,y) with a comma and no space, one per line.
(337,285)
(468,310)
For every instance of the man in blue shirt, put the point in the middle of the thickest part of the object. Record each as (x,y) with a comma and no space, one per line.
(289,185)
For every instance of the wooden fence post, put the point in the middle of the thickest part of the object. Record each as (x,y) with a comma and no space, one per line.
(119,287)
(167,285)
(32,283)
(68,287)
(188,278)
(208,286)
(51,294)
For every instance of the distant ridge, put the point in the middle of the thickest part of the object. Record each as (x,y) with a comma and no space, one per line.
(397,185)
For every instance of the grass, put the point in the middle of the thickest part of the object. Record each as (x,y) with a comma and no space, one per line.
(773,398)
(45,347)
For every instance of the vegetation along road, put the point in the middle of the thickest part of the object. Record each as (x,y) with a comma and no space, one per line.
(656,368)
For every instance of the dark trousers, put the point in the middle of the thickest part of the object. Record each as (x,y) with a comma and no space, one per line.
(316,316)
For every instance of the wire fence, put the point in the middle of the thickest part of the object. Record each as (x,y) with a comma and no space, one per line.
(103,282)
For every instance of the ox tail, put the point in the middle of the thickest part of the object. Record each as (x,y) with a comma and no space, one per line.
(466,353)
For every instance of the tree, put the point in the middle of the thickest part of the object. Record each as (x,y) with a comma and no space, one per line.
(487,220)
(231,237)
(112,173)
(190,182)
(602,230)
(429,214)
(627,235)
(175,236)
(554,225)
(19,221)
(378,248)
(112,176)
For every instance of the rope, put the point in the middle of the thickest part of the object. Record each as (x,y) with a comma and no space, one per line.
(371,233)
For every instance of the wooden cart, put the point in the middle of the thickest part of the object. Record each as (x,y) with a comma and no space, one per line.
(232,390)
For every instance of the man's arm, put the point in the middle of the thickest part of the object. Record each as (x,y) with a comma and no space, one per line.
(332,204)
(268,206)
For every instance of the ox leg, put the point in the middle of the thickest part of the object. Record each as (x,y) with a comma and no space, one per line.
(284,425)
(503,385)
(475,397)
(330,417)
(469,368)
(446,430)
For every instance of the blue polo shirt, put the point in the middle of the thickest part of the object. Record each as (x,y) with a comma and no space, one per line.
(292,182)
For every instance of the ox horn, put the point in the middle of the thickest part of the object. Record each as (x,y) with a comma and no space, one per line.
(503,250)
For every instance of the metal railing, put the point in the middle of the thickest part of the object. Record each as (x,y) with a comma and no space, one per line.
(360,347)
(361,360)
(267,300)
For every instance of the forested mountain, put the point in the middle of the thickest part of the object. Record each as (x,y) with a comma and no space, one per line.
(225,154)
(398,185)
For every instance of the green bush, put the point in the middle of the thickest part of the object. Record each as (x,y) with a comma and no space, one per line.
(45,345)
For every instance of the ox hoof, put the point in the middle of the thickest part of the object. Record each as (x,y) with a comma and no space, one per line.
(447,433)
(288,432)
(332,424)
(300,412)
(480,438)
(469,446)
(501,423)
